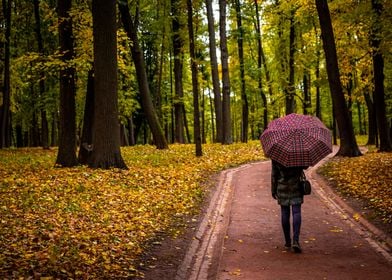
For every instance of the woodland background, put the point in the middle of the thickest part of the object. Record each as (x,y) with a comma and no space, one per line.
(189,71)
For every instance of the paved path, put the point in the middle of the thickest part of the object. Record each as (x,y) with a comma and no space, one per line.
(240,236)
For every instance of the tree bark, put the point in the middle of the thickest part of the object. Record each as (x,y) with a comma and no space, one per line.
(348,143)
(5,117)
(226,111)
(106,151)
(195,83)
(145,96)
(86,140)
(214,72)
(260,63)
(378,72)
(372,130)
(178,47)
(290,91)
(244,98)
(44,119)
(66,155)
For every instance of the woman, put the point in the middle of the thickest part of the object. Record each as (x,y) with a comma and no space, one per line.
(285,189)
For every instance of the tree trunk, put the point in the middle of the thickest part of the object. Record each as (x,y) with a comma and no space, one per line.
(214,72)
(5,117)
(145,96)
(260,62)
(178,52)
(307,99)
(378,72)
(348,142)
(86,140)
(106,151)
(290,91)
(195,82)
(44,120)
(244,98)
(66,155)
(226,111)
(318,93)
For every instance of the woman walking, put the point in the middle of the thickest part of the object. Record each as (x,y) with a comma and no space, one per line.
(285,189)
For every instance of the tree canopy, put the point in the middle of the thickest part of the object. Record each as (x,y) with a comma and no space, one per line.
(276,64)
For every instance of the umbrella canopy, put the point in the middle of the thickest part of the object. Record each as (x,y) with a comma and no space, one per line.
(296,140)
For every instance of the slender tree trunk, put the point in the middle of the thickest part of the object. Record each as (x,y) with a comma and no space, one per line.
(66,156)
(86,141)
(106,152)
(348,142)
(290,92)
(244,98)
(260,61)
(226,111)
(306,86)
(378,70)
(178,49)
(371,119)
(214,72)
(145,96)
(318,93)
(5,117)
(195,82)
(44,120)
(54,131)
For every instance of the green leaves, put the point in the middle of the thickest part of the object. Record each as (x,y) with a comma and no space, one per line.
(91,223)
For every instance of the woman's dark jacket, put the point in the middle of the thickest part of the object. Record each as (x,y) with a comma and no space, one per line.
(285,184)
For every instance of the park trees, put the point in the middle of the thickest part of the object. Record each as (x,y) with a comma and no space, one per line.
(282,63)
(106,128)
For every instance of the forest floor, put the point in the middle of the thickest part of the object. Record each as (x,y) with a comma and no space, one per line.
(238,235)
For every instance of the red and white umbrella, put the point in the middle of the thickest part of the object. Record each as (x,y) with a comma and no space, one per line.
(296,140)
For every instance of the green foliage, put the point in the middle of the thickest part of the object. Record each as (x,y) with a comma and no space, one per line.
(90,223)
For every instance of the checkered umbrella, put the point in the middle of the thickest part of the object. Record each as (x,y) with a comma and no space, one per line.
(296,140)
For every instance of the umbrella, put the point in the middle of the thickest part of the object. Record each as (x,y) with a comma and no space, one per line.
(296,140)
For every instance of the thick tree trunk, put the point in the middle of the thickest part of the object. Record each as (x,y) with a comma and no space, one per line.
(378,72)
(44,120)
(244,98)
(226,111)
(66,156)
(178,52)
(5,117)
(348,143)
(214,72)
(145,96)
(195,83)
(106,151)
(86,140)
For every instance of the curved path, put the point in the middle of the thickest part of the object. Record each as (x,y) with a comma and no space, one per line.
(240,236)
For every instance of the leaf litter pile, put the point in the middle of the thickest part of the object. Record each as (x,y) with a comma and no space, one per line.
(367,178)
(81,223)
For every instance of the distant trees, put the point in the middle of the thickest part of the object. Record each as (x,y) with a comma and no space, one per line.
(272,62)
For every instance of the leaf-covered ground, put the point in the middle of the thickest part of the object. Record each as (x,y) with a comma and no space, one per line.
(367,179)
(87,223)
(82,223)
